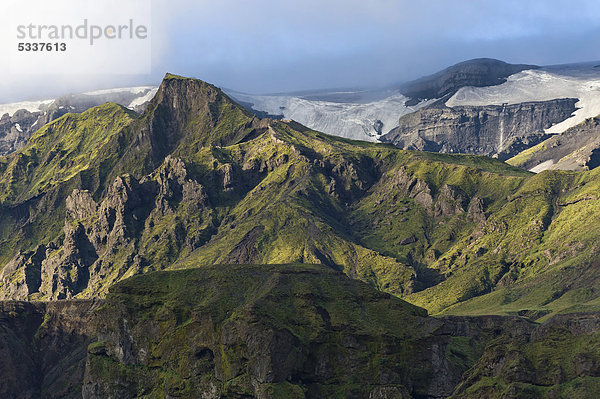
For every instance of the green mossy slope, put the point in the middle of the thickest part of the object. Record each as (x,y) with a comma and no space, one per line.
(98,197)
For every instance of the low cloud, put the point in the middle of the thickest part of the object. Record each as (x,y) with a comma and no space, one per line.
(272,46)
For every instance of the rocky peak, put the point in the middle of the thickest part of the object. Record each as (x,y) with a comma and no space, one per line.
(189,114)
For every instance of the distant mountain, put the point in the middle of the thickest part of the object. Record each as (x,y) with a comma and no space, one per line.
(480,72)
(370,114)
(506,119)
(18,121)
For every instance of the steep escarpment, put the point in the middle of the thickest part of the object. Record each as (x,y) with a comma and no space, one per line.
(43,348)
(578,148)
(284,331)
(503,130)
(256,331)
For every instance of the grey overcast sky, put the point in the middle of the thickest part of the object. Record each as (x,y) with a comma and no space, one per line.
(265,46)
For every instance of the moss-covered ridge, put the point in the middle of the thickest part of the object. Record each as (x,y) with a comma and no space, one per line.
(196,180)
(264,331)
(558,359)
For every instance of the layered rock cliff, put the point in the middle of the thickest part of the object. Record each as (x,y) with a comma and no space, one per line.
(503,130)
(578,148)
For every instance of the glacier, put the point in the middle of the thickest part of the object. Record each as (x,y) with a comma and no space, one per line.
(358,119)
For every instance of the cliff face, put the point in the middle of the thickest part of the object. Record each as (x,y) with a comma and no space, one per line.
(281,332)
(486,130)
(43,347)
(578,148)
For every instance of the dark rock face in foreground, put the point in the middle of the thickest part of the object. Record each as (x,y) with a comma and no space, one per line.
(504,130)
(43,347)
(283,331)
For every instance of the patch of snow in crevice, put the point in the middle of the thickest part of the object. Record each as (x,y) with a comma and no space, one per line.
(542,167)
(144,99)
(18,127)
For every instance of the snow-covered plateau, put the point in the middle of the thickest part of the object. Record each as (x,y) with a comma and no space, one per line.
(31,106)
(572,81)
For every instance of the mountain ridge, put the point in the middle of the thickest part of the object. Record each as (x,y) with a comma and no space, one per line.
(197,179)
(221,254)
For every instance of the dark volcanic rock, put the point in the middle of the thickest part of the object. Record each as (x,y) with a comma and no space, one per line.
(479,72)
(43,347)
(504,130)
(282,331)
(578,148)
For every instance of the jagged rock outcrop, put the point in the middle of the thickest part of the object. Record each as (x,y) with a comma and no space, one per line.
(21,276)
(94,233)
(502,131)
